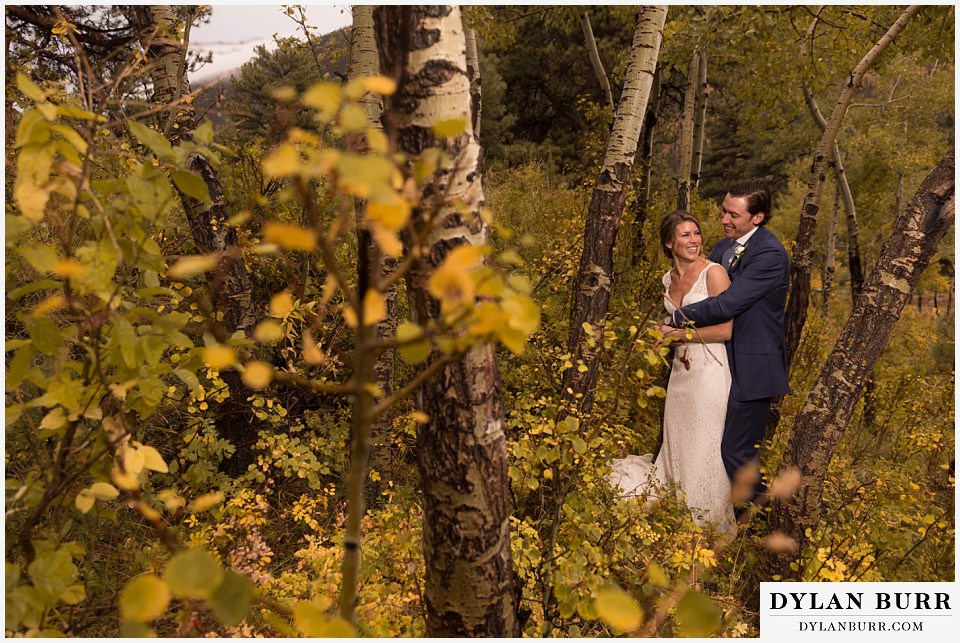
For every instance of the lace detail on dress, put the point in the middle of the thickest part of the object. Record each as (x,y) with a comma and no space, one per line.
(694,413)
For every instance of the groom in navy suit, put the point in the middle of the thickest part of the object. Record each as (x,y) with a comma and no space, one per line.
(759,270)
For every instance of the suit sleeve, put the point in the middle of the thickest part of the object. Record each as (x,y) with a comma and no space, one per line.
(763,271)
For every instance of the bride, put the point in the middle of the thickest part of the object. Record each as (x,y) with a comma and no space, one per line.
(697,392)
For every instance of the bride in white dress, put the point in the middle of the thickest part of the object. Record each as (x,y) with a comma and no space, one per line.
(696,402)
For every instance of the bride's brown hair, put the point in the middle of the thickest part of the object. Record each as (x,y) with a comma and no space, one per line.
(668,228)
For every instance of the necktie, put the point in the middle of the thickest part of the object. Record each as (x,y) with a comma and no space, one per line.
(728,254)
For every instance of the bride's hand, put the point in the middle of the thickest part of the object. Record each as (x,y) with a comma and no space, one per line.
(669,331)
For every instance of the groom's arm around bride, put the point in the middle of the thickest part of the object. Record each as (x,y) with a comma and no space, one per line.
(759,270)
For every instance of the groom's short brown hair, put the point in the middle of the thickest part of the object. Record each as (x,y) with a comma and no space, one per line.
(757,195)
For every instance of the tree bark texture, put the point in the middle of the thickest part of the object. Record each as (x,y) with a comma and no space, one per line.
(372,264)
(699,123)
(462,449)
(230,289)
(595,275)
(800,265)
(831,403)
(829,261)
(849,206)
(686,133)
(642,190)
(595,62)
(473,73)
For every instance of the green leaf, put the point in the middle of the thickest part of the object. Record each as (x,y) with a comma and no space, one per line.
(697,615)
(618,609)
(152,139)
(45,334)
(42,257)
(579,445)
(52,572)
(194,574)
(232,599)
(136,630)
(191,185)
(103,491)
(43,284)
(144,598)
(19,366)
(151,193)
(203,133)
(84,501)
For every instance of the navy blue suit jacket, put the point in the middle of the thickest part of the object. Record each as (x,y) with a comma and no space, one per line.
(755,301)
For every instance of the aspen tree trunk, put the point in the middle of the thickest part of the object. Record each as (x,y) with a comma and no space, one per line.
(595,275)
(829,261)
(830,405)
(373,265)
(595,61)
(231,289)
(686,133)
(461,449)
(699,124)
(849,206)
(800,265)
(642,190)
(473,73)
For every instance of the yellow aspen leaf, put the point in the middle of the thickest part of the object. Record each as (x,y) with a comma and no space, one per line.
(377,141)
(152,459)
(284,94)
(524,312)
(194,573)
(329,289)
(393,214)
(219,356)
(50,304)
(419,417)
(282,162)
(239,218)
(144,598)
(124,480)
(359,174)
(84,501)
(53,420)
(520,283)
(69,268)
(355,89)
(489,283)
(103,491)
(353,118)
(281,304)
(383,85)
(350,316)
(133,461)
(268,332)
(311,352)
(374,307)
(514,340)
(387,240)
(206,501)
(191,266)
(257,375)
(451,127)
(30,89)
(412,351)
(465,257)
(323,97)
(290,237)
(618,609)
(297,135)
(453,287)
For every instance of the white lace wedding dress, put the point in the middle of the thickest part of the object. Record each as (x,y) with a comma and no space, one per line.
(695,408)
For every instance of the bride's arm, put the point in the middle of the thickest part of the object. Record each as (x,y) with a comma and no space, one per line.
(717,282)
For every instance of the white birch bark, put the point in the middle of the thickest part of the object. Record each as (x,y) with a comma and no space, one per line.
(686,132)
(595,61)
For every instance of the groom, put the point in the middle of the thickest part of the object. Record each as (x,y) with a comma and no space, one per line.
(759,270)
